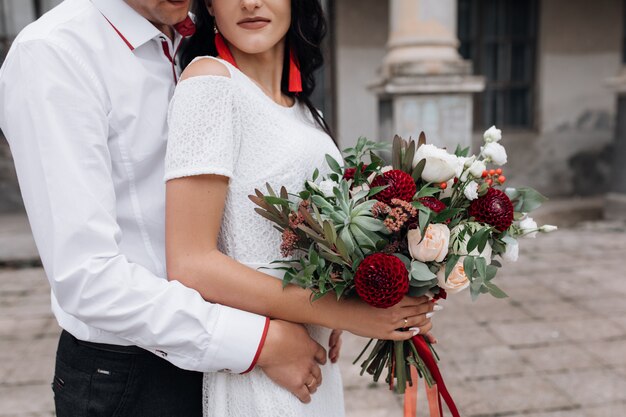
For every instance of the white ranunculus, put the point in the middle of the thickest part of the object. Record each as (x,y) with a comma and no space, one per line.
(471,191)
(547,228)
(495,153)
(326,187)
(511,252)
(477,168)
(529,227)
(492,134)
(440,167)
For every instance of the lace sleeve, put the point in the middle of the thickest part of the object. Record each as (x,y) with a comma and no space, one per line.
(203,135)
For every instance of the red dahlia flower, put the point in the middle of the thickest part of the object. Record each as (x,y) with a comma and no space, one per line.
(400,186)
(432,203)
(348,174)
(381,280)
(494,208)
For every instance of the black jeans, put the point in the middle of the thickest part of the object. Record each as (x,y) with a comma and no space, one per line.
(103,380)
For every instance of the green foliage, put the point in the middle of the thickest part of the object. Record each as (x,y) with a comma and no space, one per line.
(525,199)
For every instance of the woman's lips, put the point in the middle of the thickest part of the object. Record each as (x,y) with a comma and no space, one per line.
(253,24)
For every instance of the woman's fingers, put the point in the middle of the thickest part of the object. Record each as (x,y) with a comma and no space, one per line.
(431,338)
(413,301)
(423,328)
(419,310)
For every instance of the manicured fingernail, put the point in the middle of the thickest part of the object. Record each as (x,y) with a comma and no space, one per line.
(429,315)
(415,330)
(437,307)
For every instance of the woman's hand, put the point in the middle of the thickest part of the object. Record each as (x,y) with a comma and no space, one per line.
(409,317)
(334,345)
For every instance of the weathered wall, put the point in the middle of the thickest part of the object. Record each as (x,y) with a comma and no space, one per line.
(579,48)
(361,33)
(16,14)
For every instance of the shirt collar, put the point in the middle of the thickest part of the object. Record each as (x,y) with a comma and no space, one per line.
(135,29)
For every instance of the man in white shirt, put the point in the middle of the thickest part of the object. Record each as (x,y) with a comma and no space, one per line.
(83,101)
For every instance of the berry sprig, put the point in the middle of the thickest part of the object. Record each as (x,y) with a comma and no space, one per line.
(494,175)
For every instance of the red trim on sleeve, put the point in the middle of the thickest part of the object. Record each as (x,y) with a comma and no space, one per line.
(260,348)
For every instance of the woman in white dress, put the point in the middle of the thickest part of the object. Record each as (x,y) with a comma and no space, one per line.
(236,123)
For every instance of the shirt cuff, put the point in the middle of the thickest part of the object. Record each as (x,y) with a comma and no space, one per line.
(260,348)
(238,337)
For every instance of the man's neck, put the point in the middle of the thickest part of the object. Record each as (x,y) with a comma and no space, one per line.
(166,29)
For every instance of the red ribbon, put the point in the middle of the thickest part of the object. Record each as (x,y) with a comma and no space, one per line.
(427,356)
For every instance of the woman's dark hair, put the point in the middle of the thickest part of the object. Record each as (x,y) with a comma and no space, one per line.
(305,35)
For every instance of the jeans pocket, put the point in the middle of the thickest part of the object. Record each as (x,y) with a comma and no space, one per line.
(109,389)
(71,390)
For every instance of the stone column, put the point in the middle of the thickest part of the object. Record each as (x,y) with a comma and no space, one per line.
(425,84)
(615,207)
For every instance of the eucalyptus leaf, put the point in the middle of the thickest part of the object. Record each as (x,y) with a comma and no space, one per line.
(451,263)
(420,271)
(468,266)
(404,259)
(481,267)
(495,290)
(334,165)
(418,291)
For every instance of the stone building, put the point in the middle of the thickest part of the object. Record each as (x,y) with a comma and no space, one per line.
(547,72)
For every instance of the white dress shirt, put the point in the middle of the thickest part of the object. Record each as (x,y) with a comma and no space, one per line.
(84,93)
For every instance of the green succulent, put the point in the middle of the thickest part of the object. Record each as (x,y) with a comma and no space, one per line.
(355,229)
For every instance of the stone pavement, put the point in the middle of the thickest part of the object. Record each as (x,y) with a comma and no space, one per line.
(555,348)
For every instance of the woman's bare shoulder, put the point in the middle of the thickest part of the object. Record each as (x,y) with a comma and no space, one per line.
(205,66)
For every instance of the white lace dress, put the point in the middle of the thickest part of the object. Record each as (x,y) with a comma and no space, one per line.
(228,126)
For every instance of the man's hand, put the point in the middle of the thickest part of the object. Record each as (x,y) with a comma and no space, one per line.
(335,345)
(290,358)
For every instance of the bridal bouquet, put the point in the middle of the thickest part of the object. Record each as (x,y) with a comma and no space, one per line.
(430,223)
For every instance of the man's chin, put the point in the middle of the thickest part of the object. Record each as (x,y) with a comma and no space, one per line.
(179,4)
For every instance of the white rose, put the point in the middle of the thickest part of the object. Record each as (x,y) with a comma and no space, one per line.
(486,253)
(471,190)
(548,228)
(477,168)
(326,187)
(529,227)
(434,246)
(492,135)
(462,161)
(440,165)
(511,252)
(495,153)
(457,280)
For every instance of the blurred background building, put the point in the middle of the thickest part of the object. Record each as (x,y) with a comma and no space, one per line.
(547,72)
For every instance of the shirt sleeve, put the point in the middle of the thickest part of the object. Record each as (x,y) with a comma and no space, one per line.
(53,110)
(203,138)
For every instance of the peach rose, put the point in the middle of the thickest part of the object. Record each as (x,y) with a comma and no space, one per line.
(457,280)
(434,246)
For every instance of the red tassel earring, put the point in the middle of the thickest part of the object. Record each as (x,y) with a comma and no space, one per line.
(223,50)
(295,77)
